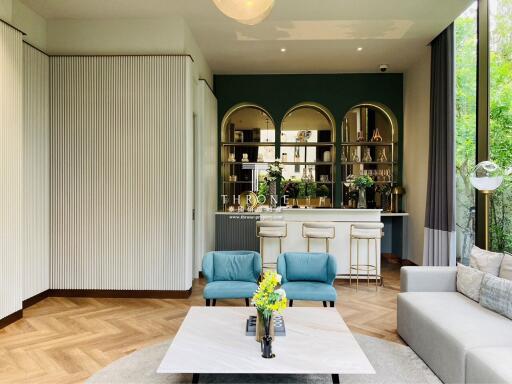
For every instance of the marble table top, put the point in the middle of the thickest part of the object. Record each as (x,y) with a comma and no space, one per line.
(213,340)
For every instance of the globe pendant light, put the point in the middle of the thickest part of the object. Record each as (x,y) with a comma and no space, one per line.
(248,12)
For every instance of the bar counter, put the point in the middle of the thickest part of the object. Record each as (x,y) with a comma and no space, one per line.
(238,231)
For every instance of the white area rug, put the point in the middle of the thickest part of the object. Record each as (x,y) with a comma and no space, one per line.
(394,364)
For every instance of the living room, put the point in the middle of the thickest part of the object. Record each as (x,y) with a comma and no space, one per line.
(254,191)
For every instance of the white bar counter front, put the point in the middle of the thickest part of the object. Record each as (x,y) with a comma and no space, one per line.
(338,247)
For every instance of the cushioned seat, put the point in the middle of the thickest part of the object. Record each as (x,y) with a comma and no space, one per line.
(309,290)
(308,276)
(229,290)
(489,365)
(231,275)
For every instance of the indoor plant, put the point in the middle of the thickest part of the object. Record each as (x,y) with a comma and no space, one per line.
(267,299)
(291,189)
(274,176)
(362,182)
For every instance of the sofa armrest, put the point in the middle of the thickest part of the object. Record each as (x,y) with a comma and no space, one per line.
(428,279)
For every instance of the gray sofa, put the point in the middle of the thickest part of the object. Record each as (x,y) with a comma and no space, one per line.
(461,341)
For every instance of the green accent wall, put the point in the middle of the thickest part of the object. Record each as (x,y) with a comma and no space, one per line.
(337,92)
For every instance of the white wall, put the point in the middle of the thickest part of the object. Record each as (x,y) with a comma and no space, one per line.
(205,151)
(121,173)
(23,18)
(416,147)
(36,172)
(11,170)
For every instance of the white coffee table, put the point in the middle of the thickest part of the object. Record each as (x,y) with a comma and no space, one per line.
(213,340)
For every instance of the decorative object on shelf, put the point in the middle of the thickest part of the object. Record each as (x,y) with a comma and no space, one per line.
(303,136)
(291,189)
(360,137)
(274,176)
(396,193)
(344,158)
(245,158)
(268,300)
(376,136)
(231,158)
(486,177)
(381,157)
(327,156)
(232,177)
(245,12)
(362,182)
(260,158)
(239,137)
(355,156)
(324,178)
(367,158)
(284,157)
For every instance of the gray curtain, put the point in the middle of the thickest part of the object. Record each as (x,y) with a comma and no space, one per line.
(439,242)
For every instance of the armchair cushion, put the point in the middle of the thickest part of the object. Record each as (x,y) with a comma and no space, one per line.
(309,290)
(302,266)
(229,290)
(232,266)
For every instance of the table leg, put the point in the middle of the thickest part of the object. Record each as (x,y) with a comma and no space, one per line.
(195,378)
(335,378)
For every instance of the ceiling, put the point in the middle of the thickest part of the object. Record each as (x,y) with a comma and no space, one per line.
(320,36)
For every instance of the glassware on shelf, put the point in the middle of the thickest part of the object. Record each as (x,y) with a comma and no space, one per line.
(260,158)
(367,158)
(355,156)
(376,136)
(245,158)
(231,158)
(381,157)
(360,136)
(327,156)
(343,156)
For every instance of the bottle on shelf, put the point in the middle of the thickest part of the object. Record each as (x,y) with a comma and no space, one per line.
(381,157)
(367,158)
(376,136)
(355,156)
(360,136)
(344,158)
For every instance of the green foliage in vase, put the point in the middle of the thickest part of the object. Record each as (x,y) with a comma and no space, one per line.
(322,191)
(363,181)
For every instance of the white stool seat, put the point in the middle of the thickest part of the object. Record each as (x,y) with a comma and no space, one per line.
(319,230)
(319,233)
(272,232)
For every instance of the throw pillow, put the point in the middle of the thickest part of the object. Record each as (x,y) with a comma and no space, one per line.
(232,266)
(496,295)
(485,261)
(469,281)
(506,267)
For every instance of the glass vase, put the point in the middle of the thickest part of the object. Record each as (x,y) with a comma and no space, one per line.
(260,327)
(266,340)
(361,201)
(272,194)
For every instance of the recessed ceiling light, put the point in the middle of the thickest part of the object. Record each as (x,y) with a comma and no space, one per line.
(359,49)
(283,49)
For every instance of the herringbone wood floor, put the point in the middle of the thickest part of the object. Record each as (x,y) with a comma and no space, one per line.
(65,340)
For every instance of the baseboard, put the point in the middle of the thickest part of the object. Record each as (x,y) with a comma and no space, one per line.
(120,293)
(11,318)
(35,299)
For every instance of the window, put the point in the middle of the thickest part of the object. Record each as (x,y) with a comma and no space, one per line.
(500,128)
(465,123)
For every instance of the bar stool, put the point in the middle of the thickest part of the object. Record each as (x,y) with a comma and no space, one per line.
(319,230)
(368,232)
(273,229)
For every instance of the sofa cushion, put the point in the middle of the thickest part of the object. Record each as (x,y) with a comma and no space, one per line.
(485,261)
(229,266)
(496,295)
(442,326)
(229,290)
(309,290)
(489,365)
(469,281)
(506,267)
(306,266)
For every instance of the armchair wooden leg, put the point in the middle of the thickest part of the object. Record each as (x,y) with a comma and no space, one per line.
(325,303)
(214,302)
(207,302)
(246,302)
(291,303)
(332,304)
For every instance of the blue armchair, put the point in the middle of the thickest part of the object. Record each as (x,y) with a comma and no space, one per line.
(308,276)
(231,275)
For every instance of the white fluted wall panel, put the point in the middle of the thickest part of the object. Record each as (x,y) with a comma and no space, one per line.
(36,172)
(11,170)
(121,178)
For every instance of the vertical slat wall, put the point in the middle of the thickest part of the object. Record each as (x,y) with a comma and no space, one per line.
(11,170)
(36,172)
(121,182)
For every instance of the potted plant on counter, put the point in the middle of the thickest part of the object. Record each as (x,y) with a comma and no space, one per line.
(361,183)
(274,176)
(291,189)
